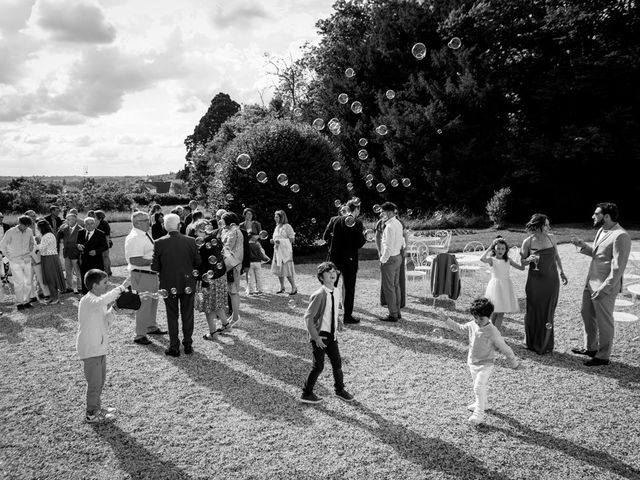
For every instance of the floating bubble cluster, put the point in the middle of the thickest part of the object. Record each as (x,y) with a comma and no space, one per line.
(455,43)
(283,179)
(406,182)
(363,154)
(343,98)
(395,183)
(199,242)
(243,161)
(356,107)
(363,142)
(295,188)
(419,51)
(349,72)
(369,235)
(318,124)
(390,94)
(336,166)
(382,130)
(262,177)
(350,220)
(263,235)
(380,187)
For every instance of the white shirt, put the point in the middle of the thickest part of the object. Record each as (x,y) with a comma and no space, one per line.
(17,245)
(392,239)
(325,326)
(94,317)
(137,244)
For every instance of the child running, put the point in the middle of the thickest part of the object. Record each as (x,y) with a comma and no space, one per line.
(484,340)
(94,318)
(500,288)
(322,322)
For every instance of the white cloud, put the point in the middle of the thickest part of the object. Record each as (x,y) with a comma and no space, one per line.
(77,21)
(15,14)
(238,15)
(37,140)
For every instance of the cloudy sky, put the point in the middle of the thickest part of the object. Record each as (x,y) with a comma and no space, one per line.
(115,86)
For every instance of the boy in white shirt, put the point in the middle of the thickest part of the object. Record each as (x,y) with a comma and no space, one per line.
(94,317)
(322,322)
(484,340)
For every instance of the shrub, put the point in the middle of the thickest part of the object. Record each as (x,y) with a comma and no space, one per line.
(497,206)
(6,200)
(280,146)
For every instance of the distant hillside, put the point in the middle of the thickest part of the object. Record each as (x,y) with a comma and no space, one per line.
(76,180)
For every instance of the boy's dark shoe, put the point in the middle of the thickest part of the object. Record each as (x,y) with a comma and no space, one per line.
(34,299)
(310,398)
(389,318)
(69,290)
(344,395)
(157,331)
(584,351)
(142,341)
(188,350)
(27,305)
(351,320)
(20,307)
(170,352)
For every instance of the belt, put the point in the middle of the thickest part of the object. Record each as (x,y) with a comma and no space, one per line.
(144,271)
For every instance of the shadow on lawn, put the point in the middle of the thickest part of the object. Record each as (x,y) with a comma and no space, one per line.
(10,330)
(240,390)
(48,319)
(431,453)
(136,460)
(596,458)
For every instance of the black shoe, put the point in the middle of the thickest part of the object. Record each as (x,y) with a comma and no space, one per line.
(188,350)
(310,398)
(389,318)
(142,341)
(596,362)
(344,395)
(34,299)
(27,305)
(351,320)
(69,290)
(158,332)
(584,351)
(399,316)
(170,352)
(20,307)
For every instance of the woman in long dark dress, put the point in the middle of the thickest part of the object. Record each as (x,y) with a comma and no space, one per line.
(540,251)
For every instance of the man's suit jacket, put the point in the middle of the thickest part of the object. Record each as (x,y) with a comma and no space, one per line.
(55,223)
(346,242)
(327,236)
(98,242)
(69,241)
(609,255)
(175,256)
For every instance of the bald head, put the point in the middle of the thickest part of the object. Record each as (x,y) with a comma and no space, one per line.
(171,222)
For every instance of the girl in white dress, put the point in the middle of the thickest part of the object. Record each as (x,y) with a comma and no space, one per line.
(500,288)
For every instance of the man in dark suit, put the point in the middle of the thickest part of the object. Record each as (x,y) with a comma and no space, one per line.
(347,239)
(91,243)
(68,235)
(54,219)
(175,256)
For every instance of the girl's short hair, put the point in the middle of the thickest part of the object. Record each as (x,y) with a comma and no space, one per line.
(325,267)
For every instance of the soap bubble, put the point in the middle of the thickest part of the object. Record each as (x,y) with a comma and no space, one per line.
(263,234)
(455,43)
(549,326)
(349,72)
(336,166)
(297,112)
(230,197)
(243,161)
(199,151)
(350,221)
(363,142)
(261,177)
(199,242)
(188,290)
(210,274)
(174,291)
(439,131)
(289,206)
(207,245)
(454,268)
(220,265)
(350,186)
(419,51)
(409,212)
(369,235)
(377,208)
(218,183)
(313,220)
(195,273)
(291,303)
(295,188)
(363,154)
(390,94)
(209,229)
(395,183)
(212,259)
(406,182)
(380,187)
(382,130)
(356,201)
(217,167)
(356,107)
(368,184)
(343,98)
(162,293)
(283,179)
(337,203)
(318,124)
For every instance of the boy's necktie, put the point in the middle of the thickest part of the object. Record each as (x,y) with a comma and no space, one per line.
(333,315)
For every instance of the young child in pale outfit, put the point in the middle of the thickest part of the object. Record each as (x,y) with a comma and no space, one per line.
(484,340)
(500,288)
(322,322)
(254,275)
(94,317)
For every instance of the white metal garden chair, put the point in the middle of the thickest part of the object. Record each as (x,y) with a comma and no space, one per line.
(440,242)
(418,253)
(471,250)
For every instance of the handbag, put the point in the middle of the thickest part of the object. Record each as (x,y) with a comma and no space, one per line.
(129,300)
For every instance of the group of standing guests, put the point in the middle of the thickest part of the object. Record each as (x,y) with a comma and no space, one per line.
(33,248)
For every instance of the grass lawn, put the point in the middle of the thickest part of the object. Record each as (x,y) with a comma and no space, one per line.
(230,410)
